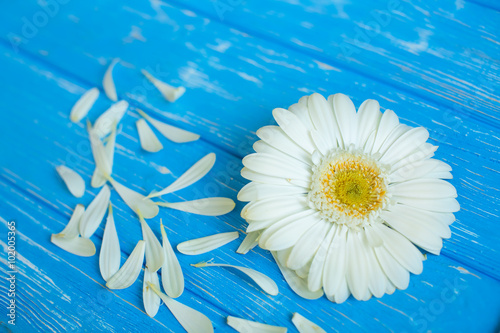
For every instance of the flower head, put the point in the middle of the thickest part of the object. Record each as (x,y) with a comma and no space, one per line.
(343,198)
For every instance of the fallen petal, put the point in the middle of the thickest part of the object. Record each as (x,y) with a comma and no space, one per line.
(130,270)
(192,320)
(110,256)
(136,201)
(172,278)
(149,141)
(208,206)
(304,325)
(206,244)
(149,297)
(71,229)
(100,157)
(172,133)
(251,240)
(248,326)
(265,282)
(155,256)
(170,93)
(74,182)
(94,214)
(80,246)
(110,118)
(98,178)
(108,83)
(83,105)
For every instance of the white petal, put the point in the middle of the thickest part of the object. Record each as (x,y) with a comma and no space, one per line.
(83,105)
(80,246)
(396,133)
(388,122)
(108,84)
(74,182)
(192,175)
(396,273)
(294,128)
(71,229)
(130,270)
(208,206)
(150,299)
(110,118)
(419,168)
(335,269)
(110,255)
(172,278)
(170,93)
(304,325)
(100,156)
(94,214)
(272,208)
(298,285)
(149,141)
(248,326)
(206,244)
(136,201)
(257,191)
(445,205)
(377,280)
(315,277)
(155,255)
(405,145)
(320,142)
(263,281)
(192,320)
(251,240)
(301,111)
(324,121)
(422,153)
(172,133)
(356,272)
(368,119)
(424,189)
(98,179)
(274,136)
(277,166)
(265,179)
(345,113)
(307,245)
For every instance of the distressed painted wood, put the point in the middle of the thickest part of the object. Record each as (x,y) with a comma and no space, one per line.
(235,76)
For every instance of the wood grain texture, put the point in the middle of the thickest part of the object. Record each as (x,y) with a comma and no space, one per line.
(234,80)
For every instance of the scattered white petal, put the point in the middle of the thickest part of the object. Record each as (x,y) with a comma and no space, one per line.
(149,141)
(304,325)
(172,278)
(149,297)
(208,206)
(110,255)
(265,282)
(206,244)
(108,83)
(94,214)
(83,105)
(130,270)
(155,255)
(170,93)
(172,133)
(80,246)
(74,182)
(101,159)
(136,201)
(192,320)
(98,179)
(71,229)
(248,326)
(110,118)
(251,240)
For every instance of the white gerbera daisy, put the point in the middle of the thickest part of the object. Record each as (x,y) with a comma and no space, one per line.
(343,198)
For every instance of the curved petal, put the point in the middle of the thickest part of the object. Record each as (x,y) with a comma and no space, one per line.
(149,297)
(446,205)
(304,325)
(388,122)
(248,326)
(136,201)
(206,244)
(83,105)
(148,139)
(315,277)
(108,84)
(208,206)
(110,118)
(345,113)
(368,119)
(80,246)
(294,128)
(277,166)
(94,214)
(130,270)
(74,182)
(405,145)
(266,179)
(275,137)
(357,267)
(276,207)
(335,268)
(250,241)
(155,255)
(424,188)
(396,273)
(323,118)
(172,277)
(172,133)
(110,255)
(307,245)
(169,92)
(257,191)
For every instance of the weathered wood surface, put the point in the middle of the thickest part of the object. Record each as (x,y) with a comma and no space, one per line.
(237,69)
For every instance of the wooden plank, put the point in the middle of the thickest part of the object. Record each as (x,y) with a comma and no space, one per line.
(226,107)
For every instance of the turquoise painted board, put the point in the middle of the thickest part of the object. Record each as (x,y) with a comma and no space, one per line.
(436,64)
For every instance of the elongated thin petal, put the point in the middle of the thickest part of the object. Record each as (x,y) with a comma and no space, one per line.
(150,299)
(172,133)
(71,229)
(192,175)
(74,182)
(110,118)
(192,320)
(109,257)
(83,105)
(304,325)
(136,201)
(206,244)
(247,326)
(98,178)
(149,141)
(155,256)
(251,240)
(94,214)
(108,83)
(298,285)
(170,93)
(100,157)
(207,206)
(130,270)
(80,246)
(265,282)
(172,278)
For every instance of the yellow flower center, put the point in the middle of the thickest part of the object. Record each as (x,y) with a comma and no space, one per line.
(348,188)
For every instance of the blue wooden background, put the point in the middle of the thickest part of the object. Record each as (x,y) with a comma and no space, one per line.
(436,63)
